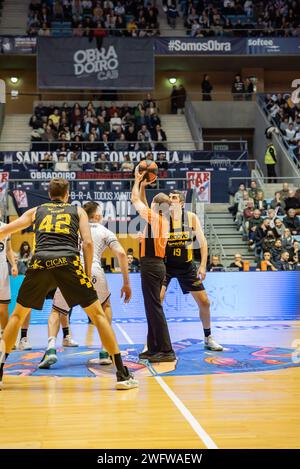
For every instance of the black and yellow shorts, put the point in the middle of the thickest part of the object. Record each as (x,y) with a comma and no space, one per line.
(187,277)
(65,273)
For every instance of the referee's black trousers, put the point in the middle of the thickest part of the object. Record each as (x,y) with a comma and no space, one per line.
(153,272)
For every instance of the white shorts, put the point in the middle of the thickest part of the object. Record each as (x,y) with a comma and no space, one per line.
(100,284)
(4,284)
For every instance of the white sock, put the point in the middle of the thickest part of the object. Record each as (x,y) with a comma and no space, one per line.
(51,342)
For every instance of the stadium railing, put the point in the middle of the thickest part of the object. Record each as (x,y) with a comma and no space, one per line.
(64,29)
(181,166)
(207,146)
(279,136)
(194,124)
(213,239)
(2,113)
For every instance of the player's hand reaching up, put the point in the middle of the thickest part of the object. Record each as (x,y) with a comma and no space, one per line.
(144,182)
(139,176)
(126,293)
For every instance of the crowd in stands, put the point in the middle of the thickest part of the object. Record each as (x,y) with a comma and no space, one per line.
(240,18)
(132,262)
(75,128)
(138,18)
(23,256)
(93,18)
(271,228)
(286,115)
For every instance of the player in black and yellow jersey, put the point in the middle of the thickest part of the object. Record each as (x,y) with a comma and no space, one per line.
(185,230)
(56,263)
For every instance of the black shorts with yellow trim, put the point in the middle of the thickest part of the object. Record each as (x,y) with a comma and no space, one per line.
(187,277)
(65,273)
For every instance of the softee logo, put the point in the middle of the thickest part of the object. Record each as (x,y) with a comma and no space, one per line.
(210,45)
(102,61)
(261,42)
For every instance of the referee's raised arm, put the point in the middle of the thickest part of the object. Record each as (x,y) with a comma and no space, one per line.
(138,197)
(136,194)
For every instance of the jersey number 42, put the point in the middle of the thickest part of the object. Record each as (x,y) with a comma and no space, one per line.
(56,223)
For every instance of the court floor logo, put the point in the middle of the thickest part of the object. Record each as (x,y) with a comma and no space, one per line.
(192,359)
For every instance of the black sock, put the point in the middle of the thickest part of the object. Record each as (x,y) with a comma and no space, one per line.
(119,363)
(207,332)
(24,333)
(65,332)
(2,364)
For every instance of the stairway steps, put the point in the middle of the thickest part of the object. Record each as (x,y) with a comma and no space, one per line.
(18,127)
(223,222)
(178,133)
(230,253)
(15,129)
(234,236)
(224,229)
(219,227)
(238,246)
(219,231)
(16,147)
(14,17)
(229,236)
(219,214)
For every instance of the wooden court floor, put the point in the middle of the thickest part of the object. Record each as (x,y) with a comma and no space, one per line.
(241,410)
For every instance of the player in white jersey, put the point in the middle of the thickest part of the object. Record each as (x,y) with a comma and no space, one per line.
(6,253)
(67,341)
(102,239)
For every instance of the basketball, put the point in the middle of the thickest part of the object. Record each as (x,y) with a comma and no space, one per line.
(151,168)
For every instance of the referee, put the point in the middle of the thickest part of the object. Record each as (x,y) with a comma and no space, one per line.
(153,271)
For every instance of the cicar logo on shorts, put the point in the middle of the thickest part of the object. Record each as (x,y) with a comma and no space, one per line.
(51,263)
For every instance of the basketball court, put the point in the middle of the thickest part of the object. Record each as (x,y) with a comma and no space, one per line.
(244,397)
